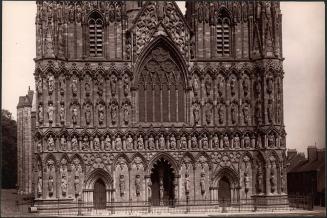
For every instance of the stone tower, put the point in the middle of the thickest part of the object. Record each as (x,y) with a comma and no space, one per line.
(137,101)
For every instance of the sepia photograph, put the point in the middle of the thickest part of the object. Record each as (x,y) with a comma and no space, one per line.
(163,108)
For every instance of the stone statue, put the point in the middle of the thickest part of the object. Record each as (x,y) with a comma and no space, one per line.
(196,86)
(232,87)
(140,143)
(85,143)
(221,114)
(161,190)
(113,112)
(74,86)
(88,114)
(122,185)
(126,85)
(270,85)
(39,146)
(245,84)
(172,142)
(187,184)
(226,141)
(63,185)
(101,113)
(258,111)
(149,189)
(270,110)
(126,113)
(62,113)
(75,114)
(208,87)
(205,144)
(50,112)
(50,186)
(233,113)
(113,85)
(74,143)
(40,113)
(63,143)
(196,113)
(208,114)
(87,89)
(162,142)
(272,181)
(271,141)
(137,185)
(62,86)
(183,142)
(202,183)
(51,143)
(247,141)
(39,86)
(107,144)
(76,183)
(129,143)
(51,83)
(118,144)
(259,181)
(215,143)
(96,144)
(236,141)
(194,142)
(246,182)
(246,112)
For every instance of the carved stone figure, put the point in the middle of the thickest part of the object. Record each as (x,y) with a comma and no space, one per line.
(40,113)
(96,144)
(194,142)
(51,143)
(149,189)
(113,113)
(87,89)
(129,143)
(215,142)
(207,86)
(101,113)
(39,86)
(270,85)
(118,144)
(51,84)
(113,85)
(202,183)
(161,192)
(196,113)
(258,111)
(126,85)
(236,141)
(63,143)
(126,113)
(62,113)
(50,112)
(172,142)
(245,85)
(85,143)
(233,111)
(88,113)
(246,114)
(50,186)
(270,110)
(140,143)
(39,146)
(246,182)
(62,86)
(74,114)
(221,114)
(74,86)
(39,186)
(259,181)
(226,141)
(247,141)
(76,183)
(122,185)
(187,184)
(220,87)
(74,143)
(272,181)
(151,143)
(183,142)
(107,143)
(208,113)
(205,143)
(162,142)
(196,86)
(64,185)
(137,185)
(232,87)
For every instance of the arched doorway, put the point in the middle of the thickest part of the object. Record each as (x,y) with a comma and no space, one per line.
(99,195)
(162,179)
(224,191)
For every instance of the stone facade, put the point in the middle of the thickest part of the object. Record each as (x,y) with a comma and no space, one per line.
(126,87)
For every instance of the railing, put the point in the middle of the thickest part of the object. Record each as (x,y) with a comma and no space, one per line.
(267,204)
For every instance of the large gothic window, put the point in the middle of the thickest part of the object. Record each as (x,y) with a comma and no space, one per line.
(223,29)
(161,90)
(95,35)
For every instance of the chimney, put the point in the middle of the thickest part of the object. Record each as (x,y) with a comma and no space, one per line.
(312,153)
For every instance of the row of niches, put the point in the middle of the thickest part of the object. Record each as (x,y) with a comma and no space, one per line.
(153,142)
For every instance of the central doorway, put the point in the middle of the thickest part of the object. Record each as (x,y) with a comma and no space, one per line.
(224,195)
(162,179)
(99,195)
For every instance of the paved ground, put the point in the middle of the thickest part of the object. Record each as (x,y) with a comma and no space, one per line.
(14,206)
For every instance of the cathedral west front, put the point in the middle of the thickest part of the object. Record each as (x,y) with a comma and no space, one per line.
(136,102)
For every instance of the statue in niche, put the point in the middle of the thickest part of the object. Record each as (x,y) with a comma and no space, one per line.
(270,85)
(88,113)
(118,144)
(74,143)
(151,143)
(196,113)
(247,141)
(85,143)
(257,88)
(50,186)
(194,142)
(196,86)
(122,185)
(140,143)
(202,183)
(245,85)
(162,142)
(113,113)
(75,114)
(283,181)
(233,113)
(50,112)
(221,114)
(51,143)
(205,143)
(161,189)
(236,141)
(96,144)
(215,142)
(149,189)
(100,88)
(76,183)
(137,185)
(40,113)
(63,143)
(258,112)
(226,141)
(113,85)
(129,143)
(39,146)
(271,141)
(220,87)
(107,144)
(39,86)
(39,185)
(272,181)
(246,112)
(208,114)
(126,113)
(62,86)
(74,86)
(232,87)
(87,89)
(207,85)
(101,113)
(187,183)
(63,185)
(259,181)
(172,142)
(270,110)
(246,182)
(126,86)
(183,142)
(51,83)
(62,113)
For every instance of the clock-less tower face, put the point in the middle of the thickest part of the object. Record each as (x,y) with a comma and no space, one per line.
(137,101)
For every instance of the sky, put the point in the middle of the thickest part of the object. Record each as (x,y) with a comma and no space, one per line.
(304,65)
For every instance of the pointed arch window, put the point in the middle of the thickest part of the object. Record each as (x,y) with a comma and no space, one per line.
(95,35)
(223,33)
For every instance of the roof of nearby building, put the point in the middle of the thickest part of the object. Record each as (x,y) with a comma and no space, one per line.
(307,165)
(27,100)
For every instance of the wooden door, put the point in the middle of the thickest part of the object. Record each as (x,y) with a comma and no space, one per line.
(224,191)
(99,195)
